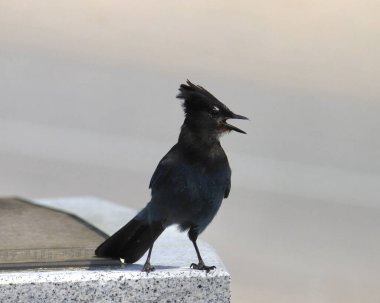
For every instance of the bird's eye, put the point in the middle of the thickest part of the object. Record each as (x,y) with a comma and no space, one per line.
(215,110)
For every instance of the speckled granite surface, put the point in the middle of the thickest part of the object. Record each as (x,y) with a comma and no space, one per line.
(173,280)
(170,285)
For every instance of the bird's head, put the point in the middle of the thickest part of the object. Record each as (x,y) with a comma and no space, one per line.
(204,112)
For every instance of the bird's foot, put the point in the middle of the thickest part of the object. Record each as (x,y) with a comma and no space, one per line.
(202,266)
(147,267)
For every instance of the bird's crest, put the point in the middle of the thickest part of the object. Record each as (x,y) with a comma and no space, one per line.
(198,98)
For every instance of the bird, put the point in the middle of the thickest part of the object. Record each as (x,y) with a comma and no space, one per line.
(188,185)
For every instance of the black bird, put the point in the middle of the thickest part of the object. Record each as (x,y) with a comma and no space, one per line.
(188,185)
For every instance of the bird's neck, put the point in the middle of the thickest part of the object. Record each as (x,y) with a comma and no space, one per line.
(200,142)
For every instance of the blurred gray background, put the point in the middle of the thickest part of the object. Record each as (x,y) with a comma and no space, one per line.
(87,107)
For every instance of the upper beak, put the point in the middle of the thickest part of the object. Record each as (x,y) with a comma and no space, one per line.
(231,127)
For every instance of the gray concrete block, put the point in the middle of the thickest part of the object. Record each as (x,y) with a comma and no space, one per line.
(173,280)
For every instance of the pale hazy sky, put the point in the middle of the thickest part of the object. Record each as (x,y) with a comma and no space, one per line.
(326,46)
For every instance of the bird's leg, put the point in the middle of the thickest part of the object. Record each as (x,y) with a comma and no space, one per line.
(147,267)
(201,265)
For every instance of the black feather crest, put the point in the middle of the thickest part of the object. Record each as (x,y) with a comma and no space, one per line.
(197,98)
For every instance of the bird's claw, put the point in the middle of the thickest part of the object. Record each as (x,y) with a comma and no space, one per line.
(202,266)
(147,267)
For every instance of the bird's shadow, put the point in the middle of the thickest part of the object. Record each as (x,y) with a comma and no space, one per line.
(139,267)
(130,267)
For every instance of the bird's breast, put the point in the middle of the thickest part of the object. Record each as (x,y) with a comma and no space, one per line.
(197,193)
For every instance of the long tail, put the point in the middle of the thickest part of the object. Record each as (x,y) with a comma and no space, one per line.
(131,241)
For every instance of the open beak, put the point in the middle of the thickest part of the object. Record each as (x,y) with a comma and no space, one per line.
(231,127)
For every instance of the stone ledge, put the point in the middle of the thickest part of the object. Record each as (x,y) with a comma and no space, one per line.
(129,285)
(173,280)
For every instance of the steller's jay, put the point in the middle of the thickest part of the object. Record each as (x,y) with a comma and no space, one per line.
(188,185)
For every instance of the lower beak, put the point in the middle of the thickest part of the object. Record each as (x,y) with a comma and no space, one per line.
(231,127)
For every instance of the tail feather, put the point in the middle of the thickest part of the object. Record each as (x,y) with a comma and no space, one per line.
(131,241)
